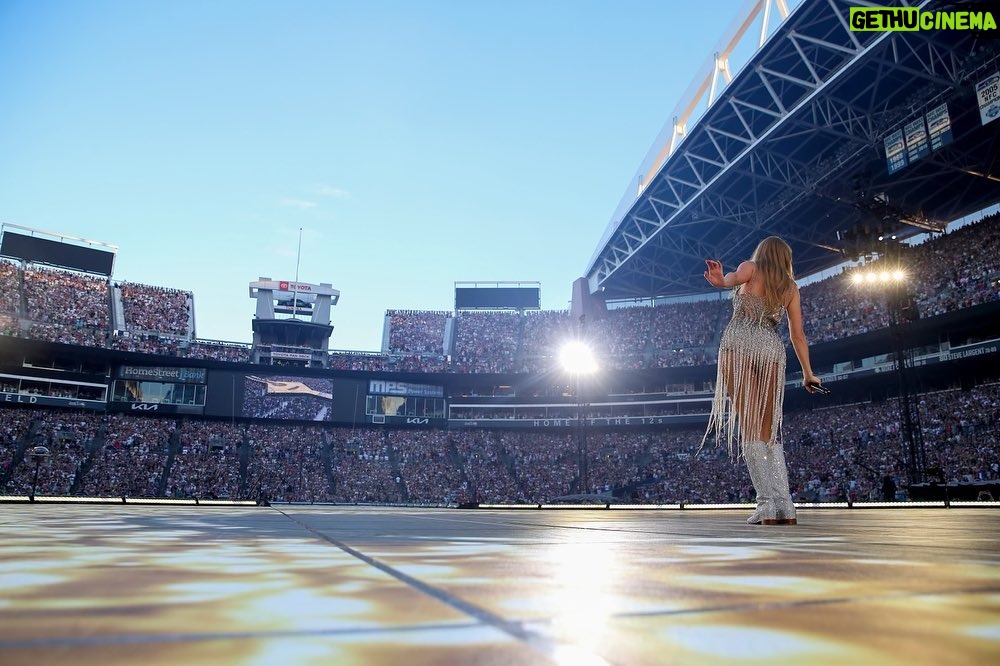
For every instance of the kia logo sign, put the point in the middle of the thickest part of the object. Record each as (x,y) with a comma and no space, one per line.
(417,421)
(144,407)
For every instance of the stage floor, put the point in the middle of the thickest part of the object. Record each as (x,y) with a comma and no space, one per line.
(84,584)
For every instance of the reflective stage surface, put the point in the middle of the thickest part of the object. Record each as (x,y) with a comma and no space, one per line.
(349,585)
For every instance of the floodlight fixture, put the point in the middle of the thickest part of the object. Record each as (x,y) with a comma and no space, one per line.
(879,277)
(576,357)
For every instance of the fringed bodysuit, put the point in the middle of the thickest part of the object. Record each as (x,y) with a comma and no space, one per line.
(750,386)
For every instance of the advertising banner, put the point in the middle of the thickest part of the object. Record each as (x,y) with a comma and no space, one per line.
(410,421)
(7,399)
(599,421)
(408,389)
(151,408)
(144,373)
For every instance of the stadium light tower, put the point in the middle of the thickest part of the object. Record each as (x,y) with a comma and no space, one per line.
(889,277)
(577,359)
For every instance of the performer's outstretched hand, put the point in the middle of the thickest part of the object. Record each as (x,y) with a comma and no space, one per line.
(714,273)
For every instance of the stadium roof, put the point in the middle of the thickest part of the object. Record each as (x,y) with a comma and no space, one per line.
(794,146)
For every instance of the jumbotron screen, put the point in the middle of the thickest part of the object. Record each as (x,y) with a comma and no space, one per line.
(492,298)
(54,253)
(288,397)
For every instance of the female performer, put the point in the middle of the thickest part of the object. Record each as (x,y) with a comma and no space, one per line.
(750,387)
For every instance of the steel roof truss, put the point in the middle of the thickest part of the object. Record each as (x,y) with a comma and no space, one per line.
(791,74)
(940,54)
(688,155)
(844,25)
(641,234)
(659,271)
(680,200)
(711,137)
(808,85)
(656,200)
(680,181)
(758,108)
(842,119)
(785,172)
(693,250)
(816,41)
(755,226)
(798,49)
(746,141)
(727,210)
(732,103)
(687,158)
(656,210)
(770,89)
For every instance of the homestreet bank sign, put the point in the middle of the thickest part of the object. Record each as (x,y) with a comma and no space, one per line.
(891,19)
(146,373)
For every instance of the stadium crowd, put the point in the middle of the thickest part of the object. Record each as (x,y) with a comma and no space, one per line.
(207,463)
(286,462)
(949,272)
(9,288)
(420,332)
(159,309)
(836,453)
(132,461)
(486,342)
(952,271)
(219,351)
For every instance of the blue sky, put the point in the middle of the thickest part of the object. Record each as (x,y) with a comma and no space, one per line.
(417,143)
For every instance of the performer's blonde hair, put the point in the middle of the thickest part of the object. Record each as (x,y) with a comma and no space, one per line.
(773,258)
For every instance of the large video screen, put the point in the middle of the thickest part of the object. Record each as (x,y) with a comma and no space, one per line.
(488,298)
(288,397)
(66,255)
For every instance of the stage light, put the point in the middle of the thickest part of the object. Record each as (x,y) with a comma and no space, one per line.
(577,358)
(878,277)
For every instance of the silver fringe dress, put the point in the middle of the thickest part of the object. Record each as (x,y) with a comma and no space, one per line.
(751,376)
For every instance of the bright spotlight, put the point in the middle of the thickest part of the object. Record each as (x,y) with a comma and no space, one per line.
(898,276)
(885,276)
(577,358)
(858,278)
(870,277)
